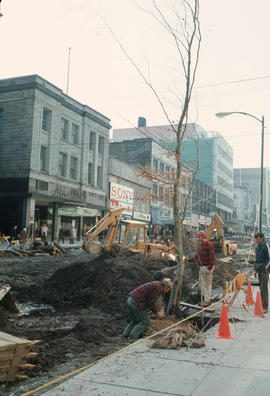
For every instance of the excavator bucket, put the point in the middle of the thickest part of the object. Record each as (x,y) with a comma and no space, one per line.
(7,301)
(93,247)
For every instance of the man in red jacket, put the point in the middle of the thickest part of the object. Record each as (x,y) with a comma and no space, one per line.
(205,258)
(139,301)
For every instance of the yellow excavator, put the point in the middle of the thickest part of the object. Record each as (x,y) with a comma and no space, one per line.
(215,235)
(122,233)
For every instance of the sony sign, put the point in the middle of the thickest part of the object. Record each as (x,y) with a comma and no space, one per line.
(121,197)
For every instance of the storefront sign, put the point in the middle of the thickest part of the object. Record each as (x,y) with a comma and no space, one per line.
(141,216)
(78,212)
(162,216)
(121,197)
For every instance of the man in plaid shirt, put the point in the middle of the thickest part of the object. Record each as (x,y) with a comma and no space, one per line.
(205,258)
(139,301)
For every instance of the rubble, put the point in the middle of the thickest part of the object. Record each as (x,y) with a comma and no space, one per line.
(36,248)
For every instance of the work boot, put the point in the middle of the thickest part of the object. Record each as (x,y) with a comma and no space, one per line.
(265,310)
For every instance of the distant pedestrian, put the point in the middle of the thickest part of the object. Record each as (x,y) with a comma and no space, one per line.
(73,234)
(23,236)
(261,267)
(44,232)
(61,235)
(13,235)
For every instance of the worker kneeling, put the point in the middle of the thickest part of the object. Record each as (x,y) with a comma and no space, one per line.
(139,301)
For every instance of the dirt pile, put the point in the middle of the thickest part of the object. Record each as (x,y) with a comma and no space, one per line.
(103,282)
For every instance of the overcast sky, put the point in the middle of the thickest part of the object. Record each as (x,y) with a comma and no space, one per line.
(35,36)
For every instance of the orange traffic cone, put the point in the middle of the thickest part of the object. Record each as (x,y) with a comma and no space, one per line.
(258,309)
(249,296)
(224,327)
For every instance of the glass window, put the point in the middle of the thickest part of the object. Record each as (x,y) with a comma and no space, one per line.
(155,164)
(1,120)
(44,159)
(91,173)
(99,177)
(62,164)
(64,129)
(73,168)
(92,141)
(161,194)
(47,120)
(75,134)
(101,141)
(161,166)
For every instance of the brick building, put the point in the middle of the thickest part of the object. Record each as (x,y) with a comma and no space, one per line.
(53,157)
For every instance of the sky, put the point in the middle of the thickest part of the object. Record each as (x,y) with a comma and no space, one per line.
(36,36)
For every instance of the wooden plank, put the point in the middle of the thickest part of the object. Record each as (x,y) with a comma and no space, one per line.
(195,306)
(3,291)
(12,339)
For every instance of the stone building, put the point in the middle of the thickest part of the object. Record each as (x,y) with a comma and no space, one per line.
(53,157)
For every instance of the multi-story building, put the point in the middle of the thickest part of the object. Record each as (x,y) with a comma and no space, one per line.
(215,168)
(212,190)
(128,190)
(251,179)
(149,154)
(53,157)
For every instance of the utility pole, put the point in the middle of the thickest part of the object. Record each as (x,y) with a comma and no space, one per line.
(261,189)
(69,50)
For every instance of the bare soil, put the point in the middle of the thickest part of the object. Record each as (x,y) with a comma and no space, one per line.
(75,304)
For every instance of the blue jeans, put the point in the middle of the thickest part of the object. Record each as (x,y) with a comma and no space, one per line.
(138,319)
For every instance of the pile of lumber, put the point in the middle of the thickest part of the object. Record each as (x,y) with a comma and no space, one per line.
(36,248)
(14,355)
(184,334)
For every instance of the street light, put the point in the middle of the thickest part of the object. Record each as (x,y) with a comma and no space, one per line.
(225,114)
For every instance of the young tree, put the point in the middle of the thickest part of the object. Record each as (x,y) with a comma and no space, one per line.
(186,36)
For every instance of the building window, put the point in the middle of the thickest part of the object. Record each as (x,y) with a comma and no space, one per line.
(155,164)
(64,129)
(161,166)
(1,120)
(91,173)
(42,185)
(73,168)
(46,120)
(44,159)
(161,194)
(92,141)
(62,164)
(75,134)
(99,177)
(154,192)
(101,141)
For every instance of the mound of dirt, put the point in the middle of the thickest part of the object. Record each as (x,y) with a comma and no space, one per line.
(104,283)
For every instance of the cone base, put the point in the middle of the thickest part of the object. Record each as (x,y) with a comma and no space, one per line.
(249,305)
(258,316)
(231,337)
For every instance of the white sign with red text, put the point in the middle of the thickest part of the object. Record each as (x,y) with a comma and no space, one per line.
(121,197)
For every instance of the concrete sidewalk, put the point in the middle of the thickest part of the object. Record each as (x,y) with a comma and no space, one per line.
(222,367)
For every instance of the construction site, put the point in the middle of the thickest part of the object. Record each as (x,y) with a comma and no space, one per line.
(69,308)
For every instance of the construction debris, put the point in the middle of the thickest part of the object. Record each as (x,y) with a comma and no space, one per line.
(185,334)
(7,301)
(14,353)
(36,248)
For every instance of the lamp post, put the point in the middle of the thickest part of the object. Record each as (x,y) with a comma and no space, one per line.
(225,114)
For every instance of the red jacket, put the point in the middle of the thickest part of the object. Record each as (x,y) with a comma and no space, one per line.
(205,255)
(147,294)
